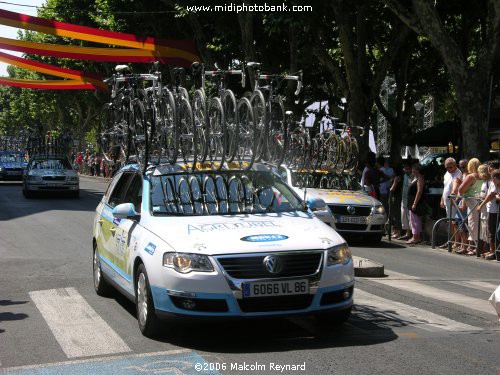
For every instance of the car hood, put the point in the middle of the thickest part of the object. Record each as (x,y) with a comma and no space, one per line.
(52,172)
(215,235)
(340,196)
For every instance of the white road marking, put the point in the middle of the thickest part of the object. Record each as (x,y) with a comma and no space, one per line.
(387,313)
(78,329)
(96,360)
(418,286)
(479,285)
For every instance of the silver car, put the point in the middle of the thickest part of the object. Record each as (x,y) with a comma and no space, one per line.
(50,173)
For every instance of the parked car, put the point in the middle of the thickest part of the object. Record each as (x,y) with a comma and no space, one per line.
(12,165)
(349,209)
(218,244)
(50,173)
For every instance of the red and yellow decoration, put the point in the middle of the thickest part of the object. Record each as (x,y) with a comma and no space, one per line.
(147,49)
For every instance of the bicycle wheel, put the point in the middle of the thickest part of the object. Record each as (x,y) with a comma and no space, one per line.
(167,131)
(138,132)
(259,107)
(342,151)
(187,135)
(352,164)
(246,135)
(231,120)
(200,123)
(332,150)
(216,133)
(278,137)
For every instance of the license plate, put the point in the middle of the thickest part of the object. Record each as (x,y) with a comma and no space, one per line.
(275,288)
(352,219)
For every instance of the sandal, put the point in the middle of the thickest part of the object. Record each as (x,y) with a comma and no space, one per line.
(470,253)
(490,257)
(461,251)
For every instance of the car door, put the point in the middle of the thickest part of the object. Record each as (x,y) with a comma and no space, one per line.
(125,236)
(106,235)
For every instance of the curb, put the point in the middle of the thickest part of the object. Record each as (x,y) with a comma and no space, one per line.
(367,268)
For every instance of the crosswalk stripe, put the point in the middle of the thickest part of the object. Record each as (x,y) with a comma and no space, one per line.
(78,329)
(479,285)
(391,313)
(411,284)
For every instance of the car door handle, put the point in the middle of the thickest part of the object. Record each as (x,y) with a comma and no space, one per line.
(112,229)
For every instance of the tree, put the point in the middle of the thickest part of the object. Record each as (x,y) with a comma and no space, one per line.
(467,36)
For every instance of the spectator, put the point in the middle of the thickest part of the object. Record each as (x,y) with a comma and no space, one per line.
(386,182)
(485,177)
(452,173)
(491,204)
(97,165)
(79,162)
(370,178)
(461,215)
(418,206)
(470,190)
(405,213)
(395,202)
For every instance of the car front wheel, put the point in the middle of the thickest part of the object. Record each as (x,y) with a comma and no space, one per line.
(101,286)
(146,316)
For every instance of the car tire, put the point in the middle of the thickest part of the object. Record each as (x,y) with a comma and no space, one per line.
(27,194)
(374,239)
(75,194)
(333,319)
(146,315)
(101,286)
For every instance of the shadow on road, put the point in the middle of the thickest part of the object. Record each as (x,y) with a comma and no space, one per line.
(257,335)
(9,316)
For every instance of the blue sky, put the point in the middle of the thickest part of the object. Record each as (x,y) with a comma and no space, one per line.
(11,32)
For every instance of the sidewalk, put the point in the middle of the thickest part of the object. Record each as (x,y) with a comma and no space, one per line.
(427,244)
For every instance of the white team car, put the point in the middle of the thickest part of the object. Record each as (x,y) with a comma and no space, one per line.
(218,244)
(50,173)
(350,210)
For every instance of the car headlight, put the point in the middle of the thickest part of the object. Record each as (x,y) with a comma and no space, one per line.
(2,169)
(338,254)
(378,209)
(186,262)
(72,178)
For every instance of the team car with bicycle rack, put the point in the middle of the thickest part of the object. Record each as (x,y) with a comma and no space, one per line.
(227,243)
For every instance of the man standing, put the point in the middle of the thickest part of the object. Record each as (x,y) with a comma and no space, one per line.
(405,213)
(452,173)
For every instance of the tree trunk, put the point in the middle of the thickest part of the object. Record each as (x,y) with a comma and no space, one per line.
(472,97)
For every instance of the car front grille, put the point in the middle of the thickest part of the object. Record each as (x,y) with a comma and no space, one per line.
(279,303)
(342,210)
(54,178)
(252,267)
(346,226)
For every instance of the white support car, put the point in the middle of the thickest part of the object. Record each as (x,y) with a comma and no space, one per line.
(218,244)
(50,173)
(350,210)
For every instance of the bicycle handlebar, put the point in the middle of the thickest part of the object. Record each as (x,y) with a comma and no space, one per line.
(298,78)
(214,73)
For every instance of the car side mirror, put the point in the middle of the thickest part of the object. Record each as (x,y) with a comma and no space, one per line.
(316,204)
(125,211)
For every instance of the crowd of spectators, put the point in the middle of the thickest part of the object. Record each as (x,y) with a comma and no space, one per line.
(470,194)
(92,164)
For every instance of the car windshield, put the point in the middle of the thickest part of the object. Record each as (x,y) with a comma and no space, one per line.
(57,163)
(325,180)
(221,193)
(11,158)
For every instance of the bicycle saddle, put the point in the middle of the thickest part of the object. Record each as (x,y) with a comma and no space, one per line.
(122,68)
